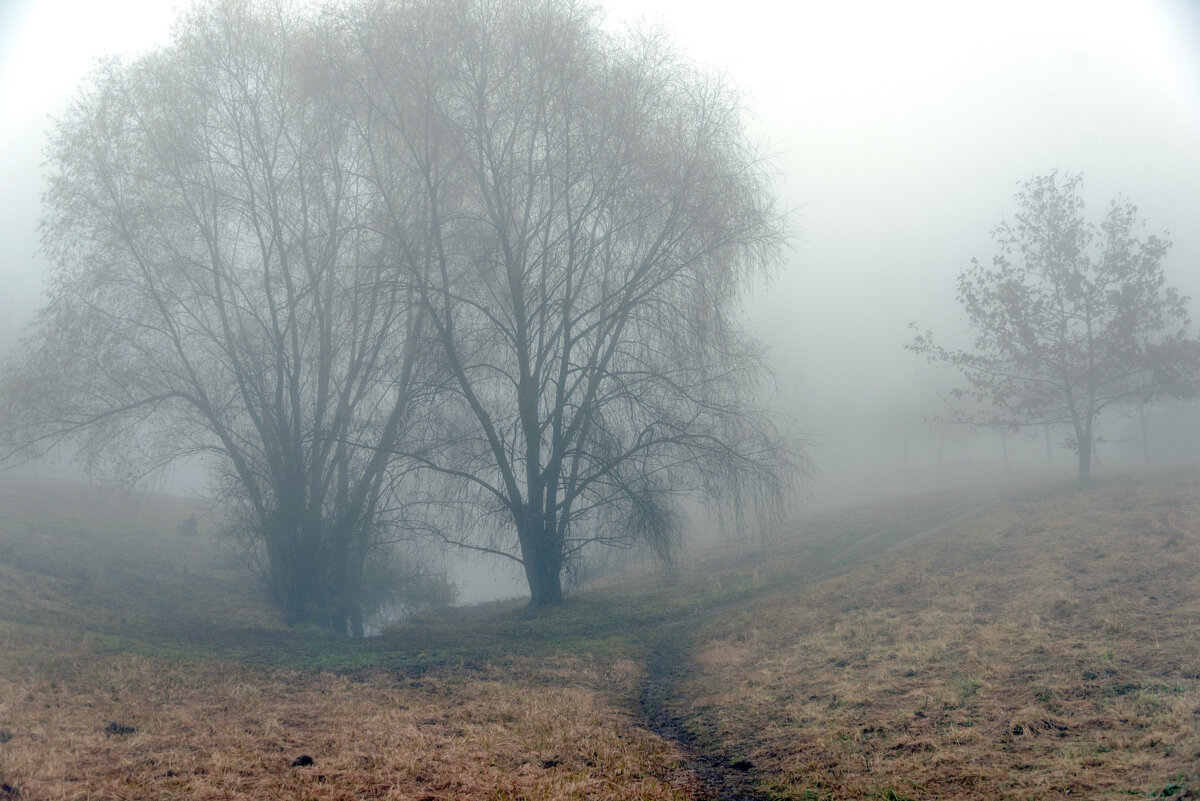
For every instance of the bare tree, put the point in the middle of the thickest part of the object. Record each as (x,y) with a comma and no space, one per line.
(222,287)
(1070,319)
(594,211)
(489,241)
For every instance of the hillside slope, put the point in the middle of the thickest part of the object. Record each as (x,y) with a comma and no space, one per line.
(1043,647)
(139,663)
(1035,643)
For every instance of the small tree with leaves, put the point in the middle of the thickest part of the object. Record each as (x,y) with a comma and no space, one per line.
(1070,319)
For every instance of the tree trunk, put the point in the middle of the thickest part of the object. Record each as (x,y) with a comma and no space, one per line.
(300,577)
(1049,451)
(287,567)
(541,553)
(545,585)
(1145,434)
(1084,447)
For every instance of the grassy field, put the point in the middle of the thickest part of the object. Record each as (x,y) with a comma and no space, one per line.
(1018,643)
(1044,647)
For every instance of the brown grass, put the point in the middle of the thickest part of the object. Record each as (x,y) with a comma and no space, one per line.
(1043,647)
(942,647)
(94,582)
(223,731)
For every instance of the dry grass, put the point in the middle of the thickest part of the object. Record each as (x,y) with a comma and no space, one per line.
(123,726)
(73,556)
(1041,648)
(93,583)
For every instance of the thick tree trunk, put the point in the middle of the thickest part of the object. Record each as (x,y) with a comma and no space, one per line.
(288,569)
(541,553)
(545,581)
(309,587)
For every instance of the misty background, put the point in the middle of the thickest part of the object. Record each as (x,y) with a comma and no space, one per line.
(899,134)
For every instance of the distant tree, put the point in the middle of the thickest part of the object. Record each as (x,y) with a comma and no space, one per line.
(221,287)
(596,210)
(1070,319)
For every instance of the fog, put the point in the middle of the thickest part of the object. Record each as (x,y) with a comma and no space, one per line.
(898,134)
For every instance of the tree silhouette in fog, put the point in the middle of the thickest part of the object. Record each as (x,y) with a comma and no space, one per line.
(381,262)
(1070,319)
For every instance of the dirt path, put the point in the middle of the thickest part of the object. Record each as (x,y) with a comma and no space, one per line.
(727,776)
(724,779)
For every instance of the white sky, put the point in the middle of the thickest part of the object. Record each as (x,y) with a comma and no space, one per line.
(900,132)
(902,129)
(46,49)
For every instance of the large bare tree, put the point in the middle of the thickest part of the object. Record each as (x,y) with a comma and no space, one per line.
(1070,319)
(223,287)
(595,209)
(492,243)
